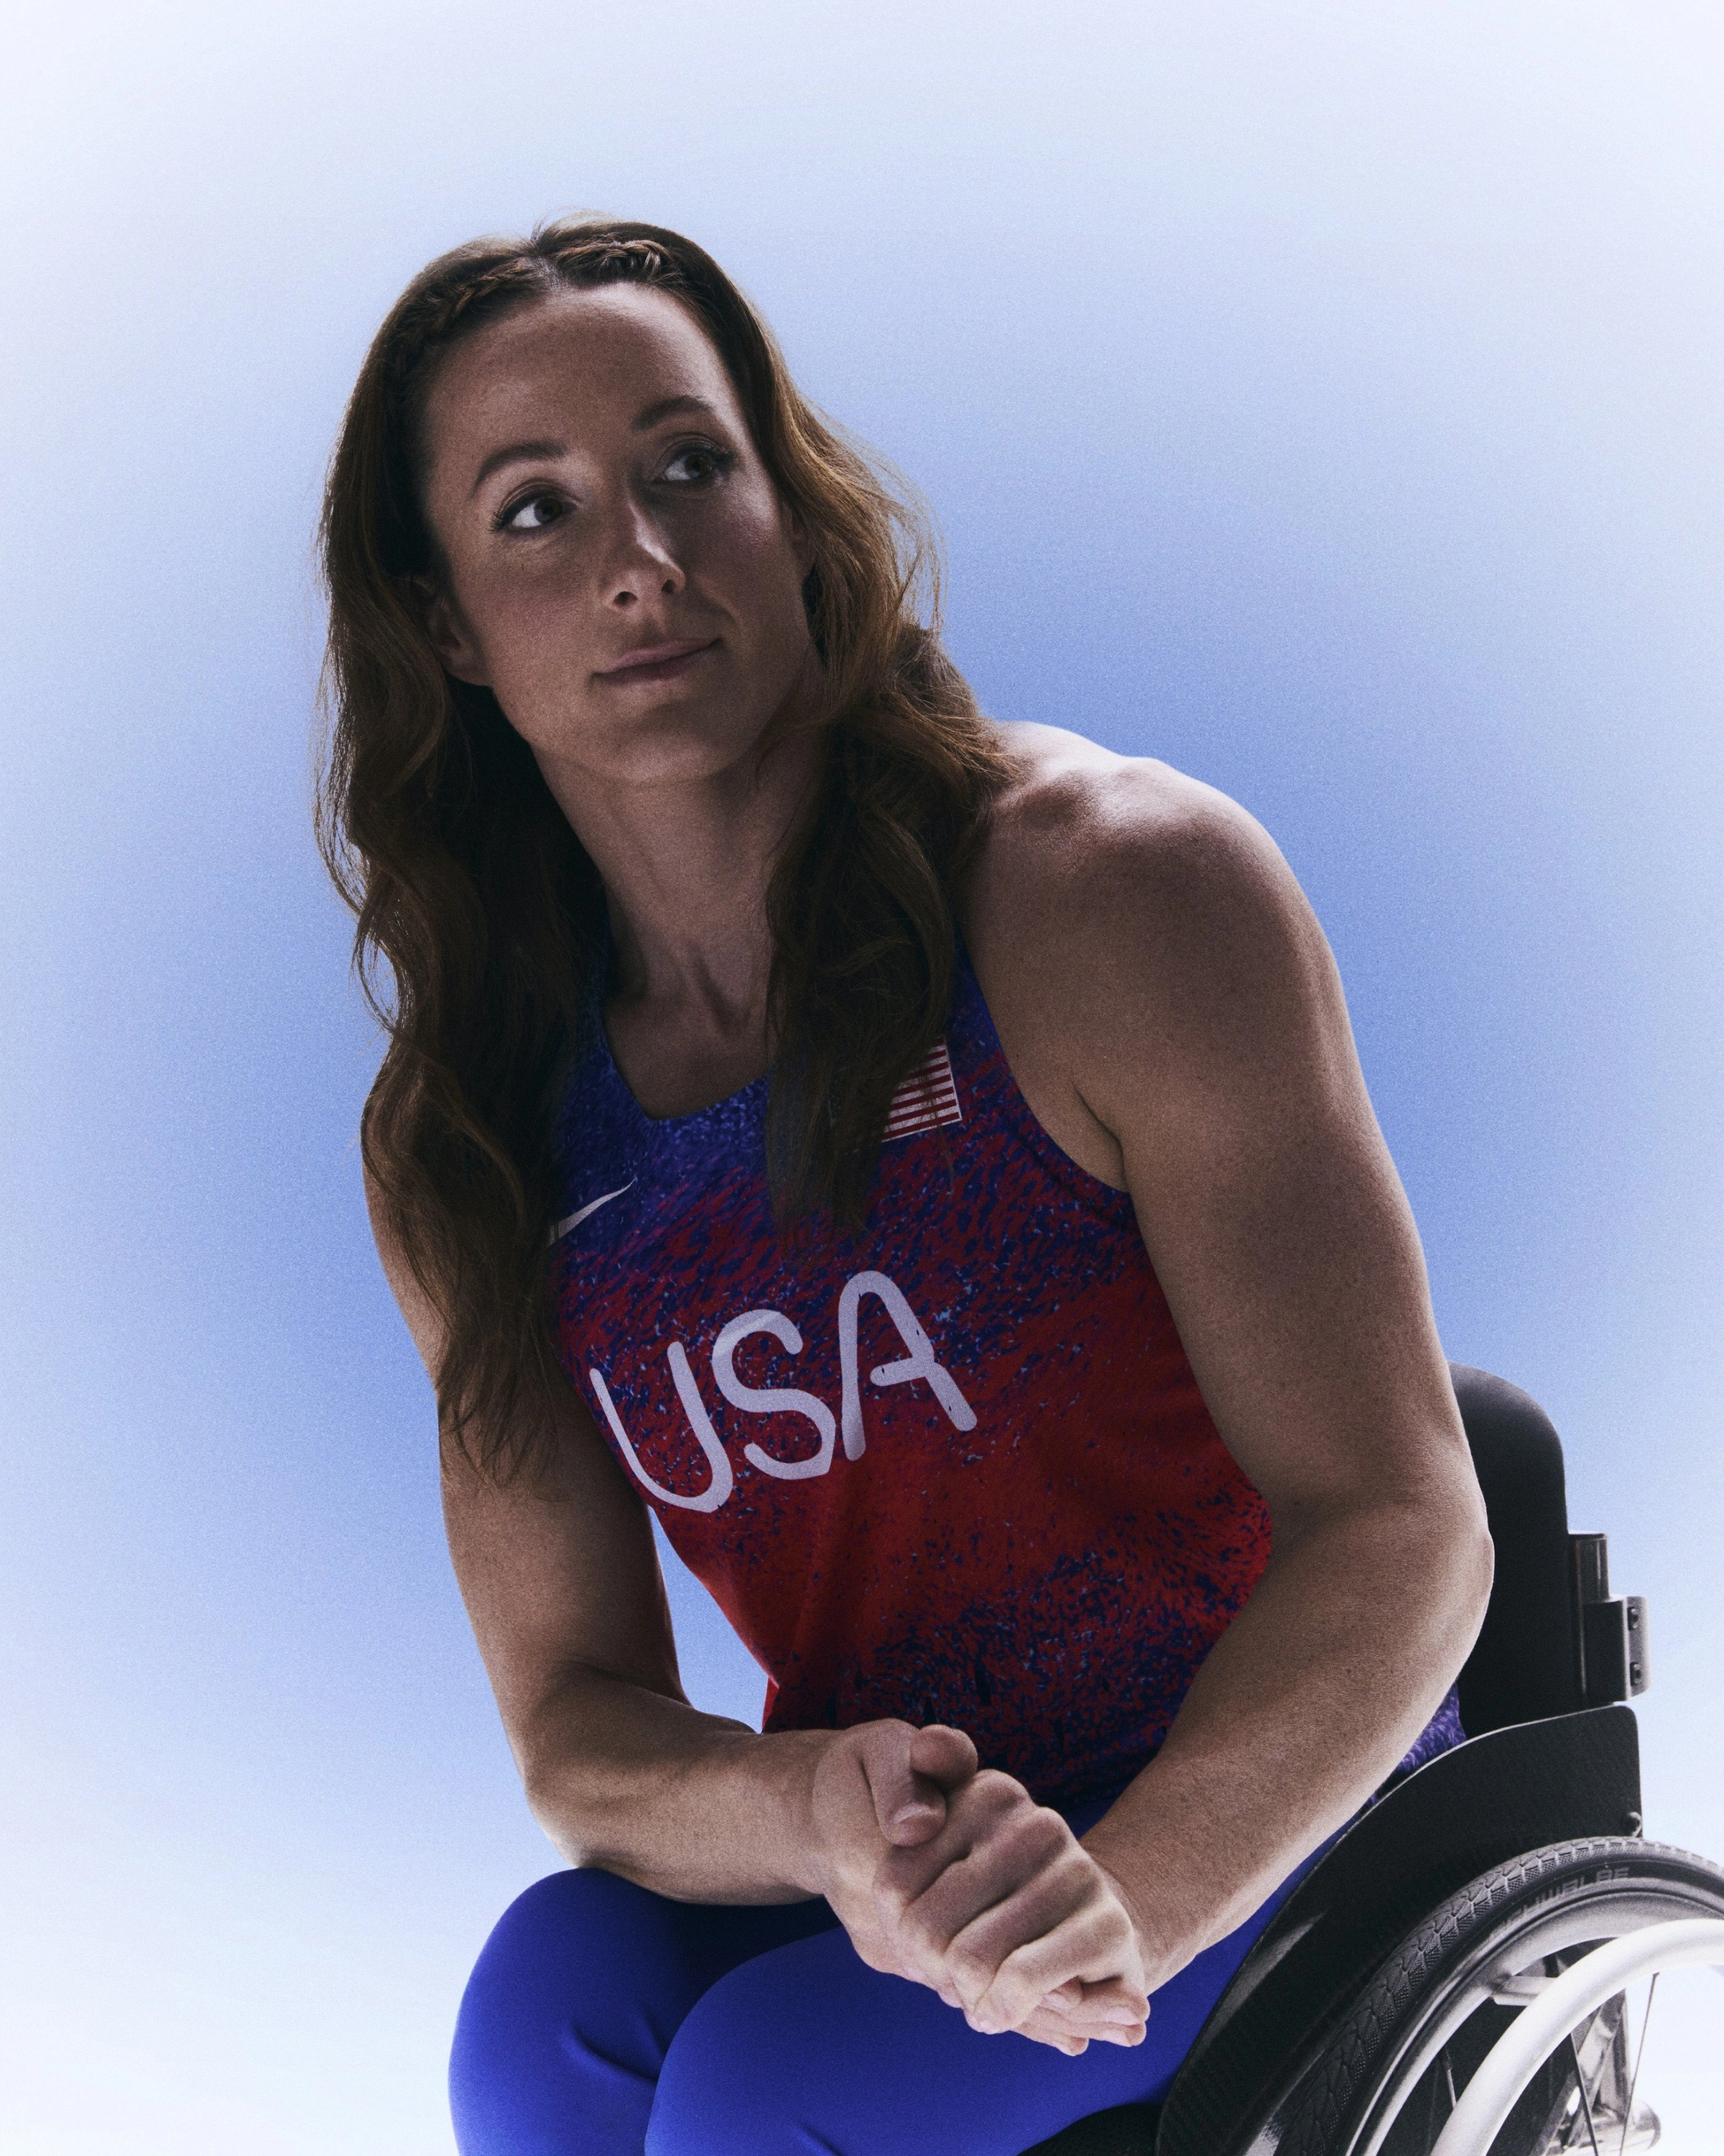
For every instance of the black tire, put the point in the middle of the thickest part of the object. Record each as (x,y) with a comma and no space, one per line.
(1381,2079)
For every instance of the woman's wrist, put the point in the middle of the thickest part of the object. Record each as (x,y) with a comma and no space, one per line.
(1180,1891)
(1160,1947)
(809,1857)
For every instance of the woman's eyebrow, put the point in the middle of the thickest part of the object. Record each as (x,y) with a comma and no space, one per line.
(667,407)
(529,452)
(518,453)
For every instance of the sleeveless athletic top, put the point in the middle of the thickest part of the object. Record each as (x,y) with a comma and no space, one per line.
(957,1469)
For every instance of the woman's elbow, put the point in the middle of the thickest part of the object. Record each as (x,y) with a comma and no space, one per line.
(1469,1568)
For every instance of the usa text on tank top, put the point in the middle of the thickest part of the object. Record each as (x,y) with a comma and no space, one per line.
(956,1470)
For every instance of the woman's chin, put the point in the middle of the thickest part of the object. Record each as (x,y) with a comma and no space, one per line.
(669,743)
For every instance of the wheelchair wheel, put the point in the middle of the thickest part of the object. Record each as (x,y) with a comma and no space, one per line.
(1443,2009)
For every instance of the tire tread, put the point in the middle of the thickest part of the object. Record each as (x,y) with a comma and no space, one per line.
(1353,2062)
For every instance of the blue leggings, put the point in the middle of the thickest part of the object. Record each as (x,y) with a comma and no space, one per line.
(602,2019)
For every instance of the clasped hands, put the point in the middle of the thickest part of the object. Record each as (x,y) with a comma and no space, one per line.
(959,1880)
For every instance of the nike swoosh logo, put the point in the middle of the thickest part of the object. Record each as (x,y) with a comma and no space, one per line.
(585,1212)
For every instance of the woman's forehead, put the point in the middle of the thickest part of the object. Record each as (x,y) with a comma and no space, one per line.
(595,360)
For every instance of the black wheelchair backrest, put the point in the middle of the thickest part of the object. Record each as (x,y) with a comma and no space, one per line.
(1554,1641)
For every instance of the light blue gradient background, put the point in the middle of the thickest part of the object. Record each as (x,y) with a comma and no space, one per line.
(1324,398)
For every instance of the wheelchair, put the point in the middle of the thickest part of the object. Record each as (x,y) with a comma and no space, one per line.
(1451,1979)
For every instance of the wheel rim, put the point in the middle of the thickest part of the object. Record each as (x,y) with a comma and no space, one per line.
(1606,1913)
(1552,2017)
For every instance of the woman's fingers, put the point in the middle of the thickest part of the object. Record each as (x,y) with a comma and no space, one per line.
(1108,2011)
(1112,2000)
(1054,2024)
(1006,1908)
(945,1754)
(999,1875)
(980,1815)
(1036,1912)
(1045,2031)
(909,1773)
(1061,2032)
(1095,1944)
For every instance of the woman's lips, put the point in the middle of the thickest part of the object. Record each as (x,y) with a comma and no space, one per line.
(660,662)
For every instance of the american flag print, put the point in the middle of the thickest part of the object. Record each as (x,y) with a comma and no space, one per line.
(927,1098)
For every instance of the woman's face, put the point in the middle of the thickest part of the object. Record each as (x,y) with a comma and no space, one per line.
(621,572)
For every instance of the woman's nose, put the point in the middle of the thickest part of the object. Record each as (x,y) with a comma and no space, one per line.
(642,564)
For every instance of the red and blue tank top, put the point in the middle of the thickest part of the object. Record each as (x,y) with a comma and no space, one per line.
(955,1469)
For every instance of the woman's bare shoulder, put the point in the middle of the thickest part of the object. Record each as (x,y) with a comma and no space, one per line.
(1140,943)
(1085,842)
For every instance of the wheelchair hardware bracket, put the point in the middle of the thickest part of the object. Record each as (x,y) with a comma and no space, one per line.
(1613,1642)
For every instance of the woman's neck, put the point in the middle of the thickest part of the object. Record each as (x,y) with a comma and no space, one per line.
(686,866)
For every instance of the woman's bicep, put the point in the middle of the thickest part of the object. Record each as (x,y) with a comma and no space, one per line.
(1266,1195)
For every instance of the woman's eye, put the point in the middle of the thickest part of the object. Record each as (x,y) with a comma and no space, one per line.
(698,462)
(537,511)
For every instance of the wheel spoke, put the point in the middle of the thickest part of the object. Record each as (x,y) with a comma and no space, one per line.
(1628,2109)
(1585,2104)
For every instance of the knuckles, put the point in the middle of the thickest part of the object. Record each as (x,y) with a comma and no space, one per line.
(1040,1835)
(993,1791)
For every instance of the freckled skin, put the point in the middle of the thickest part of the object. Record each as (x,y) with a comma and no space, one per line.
(1169,1011)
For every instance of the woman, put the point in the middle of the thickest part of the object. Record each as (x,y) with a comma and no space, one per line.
(923,1160)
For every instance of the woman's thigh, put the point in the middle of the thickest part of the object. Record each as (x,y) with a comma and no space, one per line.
(574,2001)
(604,2019)
(806,2048)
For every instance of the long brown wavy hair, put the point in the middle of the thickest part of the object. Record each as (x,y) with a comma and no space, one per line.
(479,916)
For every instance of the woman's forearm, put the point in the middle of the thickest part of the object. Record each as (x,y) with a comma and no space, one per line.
(1313,1696)
(694,1806)
(1307,1701)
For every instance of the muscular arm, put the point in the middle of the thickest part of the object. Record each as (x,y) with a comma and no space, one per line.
(562,1584)
(1174,1016)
